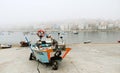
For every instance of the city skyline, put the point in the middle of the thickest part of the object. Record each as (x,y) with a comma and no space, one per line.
(80,24)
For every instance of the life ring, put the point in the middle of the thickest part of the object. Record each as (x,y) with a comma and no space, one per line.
(41,33)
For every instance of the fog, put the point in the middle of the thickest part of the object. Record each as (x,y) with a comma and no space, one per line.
(31,12)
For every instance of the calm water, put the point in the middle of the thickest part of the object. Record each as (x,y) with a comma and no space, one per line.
(69,37)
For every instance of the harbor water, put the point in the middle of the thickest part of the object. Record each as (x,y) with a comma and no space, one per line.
(68,37)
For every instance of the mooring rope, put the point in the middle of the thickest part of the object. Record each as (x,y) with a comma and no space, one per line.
(38,68)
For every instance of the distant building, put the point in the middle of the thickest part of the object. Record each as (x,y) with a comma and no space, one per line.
(110,26)
(56,26)
(81,26)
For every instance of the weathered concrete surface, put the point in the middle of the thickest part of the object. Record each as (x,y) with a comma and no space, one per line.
(83,58)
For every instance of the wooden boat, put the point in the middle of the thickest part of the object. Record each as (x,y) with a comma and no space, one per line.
(45,52)
(24,44)
(119,41)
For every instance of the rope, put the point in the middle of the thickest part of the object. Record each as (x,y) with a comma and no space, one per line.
(38,68)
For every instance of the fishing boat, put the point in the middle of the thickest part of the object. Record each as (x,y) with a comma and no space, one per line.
(49,53)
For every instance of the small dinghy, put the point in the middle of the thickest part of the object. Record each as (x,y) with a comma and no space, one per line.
(86,42)
(119,41)
(75,32)
(4,46)
(24,44)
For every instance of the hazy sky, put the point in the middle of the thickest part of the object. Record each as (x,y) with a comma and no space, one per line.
(22,12)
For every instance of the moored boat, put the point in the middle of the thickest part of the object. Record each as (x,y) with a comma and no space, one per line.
(4,46)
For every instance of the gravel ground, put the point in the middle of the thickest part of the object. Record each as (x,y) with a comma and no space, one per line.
(83,58)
